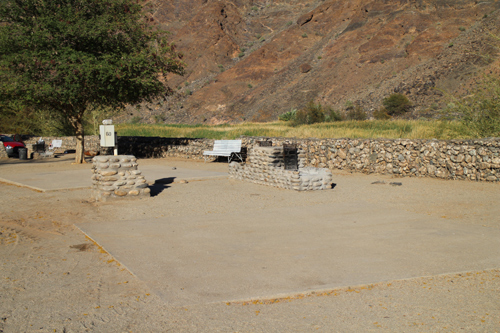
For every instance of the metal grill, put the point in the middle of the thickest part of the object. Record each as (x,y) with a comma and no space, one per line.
(39,147)
(265,143)
(290,157)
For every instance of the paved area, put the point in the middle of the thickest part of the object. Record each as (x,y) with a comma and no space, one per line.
(58,180)
(263,254)
(230,256)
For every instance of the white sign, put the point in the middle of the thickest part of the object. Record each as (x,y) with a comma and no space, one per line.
(107,133)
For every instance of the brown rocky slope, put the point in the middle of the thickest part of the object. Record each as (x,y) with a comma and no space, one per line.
(253,60)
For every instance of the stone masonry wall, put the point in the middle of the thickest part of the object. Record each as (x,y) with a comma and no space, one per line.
(265,166)
(117,176)
(477,160)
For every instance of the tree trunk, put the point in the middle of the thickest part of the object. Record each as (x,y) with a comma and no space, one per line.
(76,123)
(80,144)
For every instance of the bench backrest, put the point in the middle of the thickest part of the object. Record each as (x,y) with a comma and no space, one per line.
(227,145)
(56,143)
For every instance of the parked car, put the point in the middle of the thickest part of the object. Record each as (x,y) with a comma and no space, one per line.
(11,146)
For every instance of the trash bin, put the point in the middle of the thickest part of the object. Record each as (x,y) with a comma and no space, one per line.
(23,153)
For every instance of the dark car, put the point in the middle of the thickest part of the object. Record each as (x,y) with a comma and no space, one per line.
(11,146)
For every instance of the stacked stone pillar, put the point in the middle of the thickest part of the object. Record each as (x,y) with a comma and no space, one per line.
(117,177)
(265,166)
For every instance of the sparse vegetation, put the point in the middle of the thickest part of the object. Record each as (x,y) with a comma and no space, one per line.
(381,114)
(159,118)
(135,120)
(479,111)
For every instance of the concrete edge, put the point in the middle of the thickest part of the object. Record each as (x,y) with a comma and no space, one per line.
(269,299)
(10,182)
(177,180)
(100,247)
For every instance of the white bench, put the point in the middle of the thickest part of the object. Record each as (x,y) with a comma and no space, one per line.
(229,148)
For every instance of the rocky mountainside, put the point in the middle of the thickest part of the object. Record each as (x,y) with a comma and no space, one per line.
(251,60)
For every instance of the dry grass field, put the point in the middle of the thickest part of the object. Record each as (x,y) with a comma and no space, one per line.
(405,129)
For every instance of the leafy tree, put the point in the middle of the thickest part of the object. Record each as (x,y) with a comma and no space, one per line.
(69,56)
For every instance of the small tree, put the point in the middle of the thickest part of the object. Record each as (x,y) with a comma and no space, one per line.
(68,56)
(396,104)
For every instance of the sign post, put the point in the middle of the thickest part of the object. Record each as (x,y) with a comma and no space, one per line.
(107,135)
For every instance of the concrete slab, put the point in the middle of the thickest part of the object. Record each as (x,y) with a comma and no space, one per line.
(47,181)
(262,254)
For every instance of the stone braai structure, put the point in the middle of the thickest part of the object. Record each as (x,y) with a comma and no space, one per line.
(265,165)
(117,177)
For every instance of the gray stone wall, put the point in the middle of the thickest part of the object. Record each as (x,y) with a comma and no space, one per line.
(117,177)
(265,166)
(477,160)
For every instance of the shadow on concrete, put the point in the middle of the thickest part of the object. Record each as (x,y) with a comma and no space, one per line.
(160,185)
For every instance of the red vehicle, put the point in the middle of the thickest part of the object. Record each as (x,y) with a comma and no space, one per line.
(11,146)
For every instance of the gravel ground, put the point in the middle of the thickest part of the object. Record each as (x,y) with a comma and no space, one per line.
(54,279)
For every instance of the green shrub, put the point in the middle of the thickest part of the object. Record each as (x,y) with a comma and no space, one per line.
(311,114)
(381,114)
(396,104)
(288,116)
(356,113)
(331,115)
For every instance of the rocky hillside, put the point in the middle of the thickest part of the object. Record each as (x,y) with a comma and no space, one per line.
(251,60)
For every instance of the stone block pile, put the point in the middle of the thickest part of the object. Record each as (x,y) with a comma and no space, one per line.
(265,166)
(117,177)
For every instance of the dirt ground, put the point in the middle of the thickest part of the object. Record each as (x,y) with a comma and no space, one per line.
(54,279)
